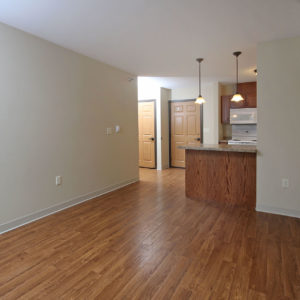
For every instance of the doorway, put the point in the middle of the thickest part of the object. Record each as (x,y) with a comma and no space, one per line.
(185,128)
(147,133)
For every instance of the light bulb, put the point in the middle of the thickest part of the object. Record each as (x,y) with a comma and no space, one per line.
(200,100)
(237,98)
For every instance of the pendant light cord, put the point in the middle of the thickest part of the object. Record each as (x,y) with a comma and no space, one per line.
(199,79)
(237,74)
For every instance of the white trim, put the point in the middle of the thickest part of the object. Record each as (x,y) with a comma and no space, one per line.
(58,207)
(278,211)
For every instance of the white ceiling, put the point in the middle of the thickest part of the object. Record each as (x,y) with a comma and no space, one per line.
(173,82)
(160,37)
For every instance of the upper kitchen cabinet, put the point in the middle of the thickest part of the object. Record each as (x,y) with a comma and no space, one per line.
(248,91)
(225,114)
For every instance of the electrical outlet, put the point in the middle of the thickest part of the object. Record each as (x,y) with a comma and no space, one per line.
(285,183)
(58,180)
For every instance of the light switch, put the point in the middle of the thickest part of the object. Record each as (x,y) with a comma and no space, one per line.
(58,180)
(109,131)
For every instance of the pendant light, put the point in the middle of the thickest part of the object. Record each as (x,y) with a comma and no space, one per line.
(237,97)
(200,99)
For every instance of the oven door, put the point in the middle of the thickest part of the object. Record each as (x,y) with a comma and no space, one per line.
(243,116)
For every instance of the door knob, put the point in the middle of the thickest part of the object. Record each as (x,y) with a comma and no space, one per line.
(152,139)
(198,139)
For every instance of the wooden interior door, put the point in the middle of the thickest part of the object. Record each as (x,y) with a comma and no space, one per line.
(185,129)
(147,134)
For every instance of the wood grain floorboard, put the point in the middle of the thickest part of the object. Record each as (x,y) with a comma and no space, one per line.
(148,241)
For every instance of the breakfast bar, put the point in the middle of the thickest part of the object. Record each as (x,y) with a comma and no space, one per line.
(221,174)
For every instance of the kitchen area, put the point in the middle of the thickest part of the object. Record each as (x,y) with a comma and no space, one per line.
(225,173)
(239,119)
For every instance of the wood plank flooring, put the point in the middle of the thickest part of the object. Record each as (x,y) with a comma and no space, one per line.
(148,241)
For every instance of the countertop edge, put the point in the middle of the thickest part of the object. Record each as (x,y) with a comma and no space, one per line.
(223,148)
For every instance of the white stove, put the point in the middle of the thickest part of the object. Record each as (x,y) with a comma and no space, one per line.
(243,135)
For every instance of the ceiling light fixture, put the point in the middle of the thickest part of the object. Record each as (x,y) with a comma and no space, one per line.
(200,99)
(237,97)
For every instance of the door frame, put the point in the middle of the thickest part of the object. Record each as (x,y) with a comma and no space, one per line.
(155,143)
(170,133)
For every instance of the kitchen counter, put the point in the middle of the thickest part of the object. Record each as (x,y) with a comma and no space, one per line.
(222,147)
(221,173)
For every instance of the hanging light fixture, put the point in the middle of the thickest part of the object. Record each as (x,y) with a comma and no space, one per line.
(237,97)
(200,99)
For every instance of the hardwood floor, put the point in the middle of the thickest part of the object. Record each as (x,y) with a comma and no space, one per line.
(148,241)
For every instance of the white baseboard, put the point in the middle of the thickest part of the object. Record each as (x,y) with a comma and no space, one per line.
(58,207)
(278,211)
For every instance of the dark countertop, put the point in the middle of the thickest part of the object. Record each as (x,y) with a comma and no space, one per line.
(222,147)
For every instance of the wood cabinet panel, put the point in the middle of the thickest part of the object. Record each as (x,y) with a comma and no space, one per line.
(224,177)
(248,90)
(242,104)
(225,109)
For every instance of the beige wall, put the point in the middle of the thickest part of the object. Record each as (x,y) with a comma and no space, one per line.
(54,110)
(165,96)
(211,109)
(227,89)
(185,93)
(278,126)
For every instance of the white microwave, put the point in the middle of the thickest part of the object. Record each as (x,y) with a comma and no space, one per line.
(243,116)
